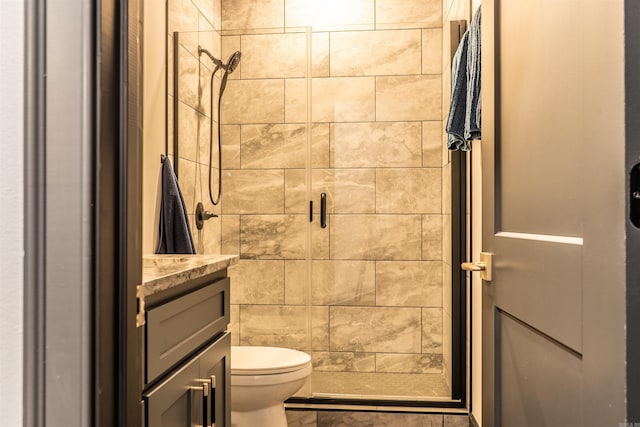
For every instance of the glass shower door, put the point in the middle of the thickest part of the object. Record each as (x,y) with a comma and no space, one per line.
(377,268)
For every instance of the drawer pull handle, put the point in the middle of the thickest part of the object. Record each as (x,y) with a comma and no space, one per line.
(213,401)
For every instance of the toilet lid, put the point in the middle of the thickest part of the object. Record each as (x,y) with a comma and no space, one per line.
(254,360)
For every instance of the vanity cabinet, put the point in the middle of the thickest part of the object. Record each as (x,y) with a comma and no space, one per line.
(186,355)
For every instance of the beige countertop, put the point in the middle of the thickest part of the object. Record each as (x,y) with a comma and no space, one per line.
(161,272)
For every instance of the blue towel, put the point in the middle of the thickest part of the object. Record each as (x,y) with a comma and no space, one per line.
(474,101)
(464,121)
(458,105)
(175,232)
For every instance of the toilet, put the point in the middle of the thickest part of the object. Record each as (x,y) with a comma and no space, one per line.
(262,378)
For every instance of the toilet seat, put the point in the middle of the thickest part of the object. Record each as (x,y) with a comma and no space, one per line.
(257,360)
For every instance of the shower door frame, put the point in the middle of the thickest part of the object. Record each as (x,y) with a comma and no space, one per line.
(460,244)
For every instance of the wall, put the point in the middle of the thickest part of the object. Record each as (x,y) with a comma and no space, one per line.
(376,152)
(11,215)
(199,22)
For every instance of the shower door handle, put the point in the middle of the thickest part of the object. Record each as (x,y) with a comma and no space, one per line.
(323,210)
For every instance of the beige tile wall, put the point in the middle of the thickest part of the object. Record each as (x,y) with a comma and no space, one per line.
(376,286)
(199,23)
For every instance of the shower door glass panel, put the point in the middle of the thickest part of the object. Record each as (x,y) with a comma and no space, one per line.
(264,209)
(378,273)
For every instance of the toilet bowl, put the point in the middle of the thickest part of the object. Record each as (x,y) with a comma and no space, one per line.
(262,378)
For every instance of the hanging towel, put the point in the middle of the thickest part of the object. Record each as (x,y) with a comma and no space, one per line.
(175,233)
(474,102)
(463,123)
(458,105)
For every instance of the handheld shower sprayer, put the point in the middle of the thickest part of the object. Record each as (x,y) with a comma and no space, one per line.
(229,67)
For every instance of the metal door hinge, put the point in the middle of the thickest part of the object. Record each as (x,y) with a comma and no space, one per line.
(141,315)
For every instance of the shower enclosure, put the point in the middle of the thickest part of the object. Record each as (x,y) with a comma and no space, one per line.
(336,194)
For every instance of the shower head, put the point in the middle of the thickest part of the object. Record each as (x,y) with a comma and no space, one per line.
(233,62)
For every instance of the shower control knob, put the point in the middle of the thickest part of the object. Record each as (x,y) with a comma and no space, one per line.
(202,216)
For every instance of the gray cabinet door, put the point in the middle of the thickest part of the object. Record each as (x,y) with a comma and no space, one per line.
(197,391)
(553,213)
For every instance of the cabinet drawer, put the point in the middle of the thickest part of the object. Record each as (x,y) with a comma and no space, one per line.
(178,328)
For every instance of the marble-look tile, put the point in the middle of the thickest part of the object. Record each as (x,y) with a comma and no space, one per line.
(252,14)
(408,98)
(295,100)
(431,330)
(234,323)
(296,279)
(186,182)
(408,190)
(381,237)
(410,13)
(456,420)
(188,132)
(432,144)
(267,56)
(230,234)
(320,54)
(202,148)
(446,345)
(343,99)
(230,146)
(304,418)
(182,15)
(409,363)
(211,236)
(295,191)
(257,282)
(343,282)
(217,14)
(432,51)
(169,84)
(409,283)
(253,191)
(273,146)
(274,325)
(370,53)
(332,282)
(253,101)
(320,328)
(188,78)
(343,361)
(446,189)
(273,236)
(396,144)
(432,237)
(446,239)
(229,45)
(336,14)
(446,288)
(206,9)
(320,248)
(371,419)
(446,91)
(347,190)
(320,151)
(375,329)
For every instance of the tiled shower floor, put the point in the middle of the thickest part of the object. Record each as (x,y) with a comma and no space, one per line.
(370,385)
